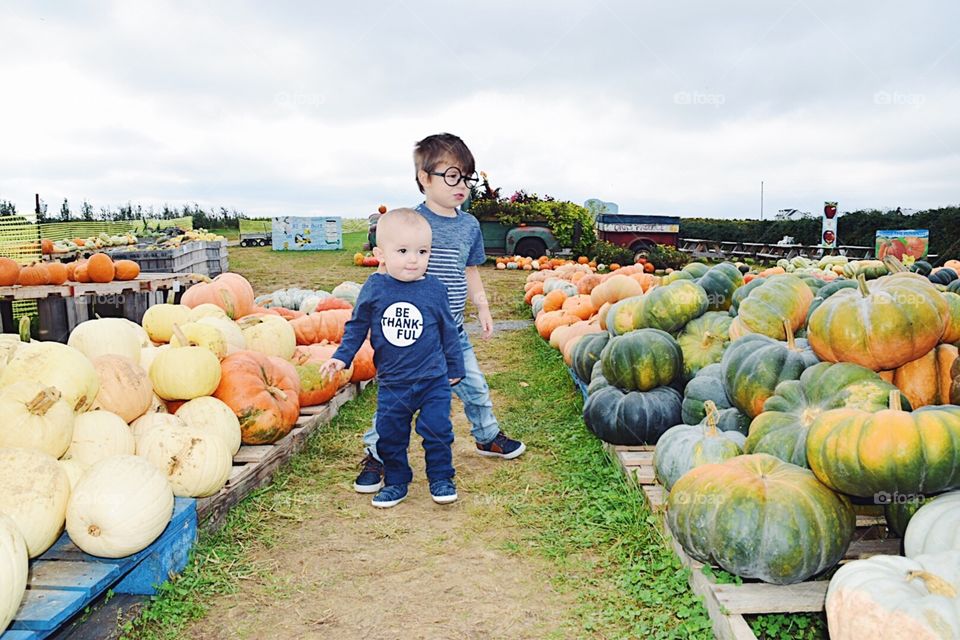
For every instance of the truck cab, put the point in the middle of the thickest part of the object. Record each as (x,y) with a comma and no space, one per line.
(638,232)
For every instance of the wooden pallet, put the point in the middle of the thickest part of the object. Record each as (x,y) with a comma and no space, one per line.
(728,603)
(64,580)
(254,466)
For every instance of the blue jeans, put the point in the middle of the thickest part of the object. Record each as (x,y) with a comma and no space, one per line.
(395,408)
(472,391)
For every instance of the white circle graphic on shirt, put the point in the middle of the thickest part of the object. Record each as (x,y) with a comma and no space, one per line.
(402,324)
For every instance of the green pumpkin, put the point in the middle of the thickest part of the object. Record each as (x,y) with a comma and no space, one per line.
(671,307)
(759,517)
(944,276)
(869,269)
(597,381)
(782,297)
(740,294)
(881,325)
(781,430)
(703,341)
(586,353)
(632,418)
(642,360)
(827,291)
(686,446)
(899,513)
(954,287)
(707,386)
(720,283)
(922,267)
(887,452)
(813,283)
(553,284)
(674,276)
(754,365)
(621,313)
(536,304)
(696,269)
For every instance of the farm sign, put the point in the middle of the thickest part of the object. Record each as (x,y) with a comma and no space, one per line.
(907,245)
(291,233)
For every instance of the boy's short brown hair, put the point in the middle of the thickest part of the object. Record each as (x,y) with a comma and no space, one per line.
(432,149)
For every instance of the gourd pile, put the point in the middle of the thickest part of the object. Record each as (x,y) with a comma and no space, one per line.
(775,407)
(98,268)
(547,264)
(101,433)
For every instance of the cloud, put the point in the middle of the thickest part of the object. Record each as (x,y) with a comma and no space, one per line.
(301,108)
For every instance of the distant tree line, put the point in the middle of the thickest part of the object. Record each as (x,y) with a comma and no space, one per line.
(208,219)
(853,228)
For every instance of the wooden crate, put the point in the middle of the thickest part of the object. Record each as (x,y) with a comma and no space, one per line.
(728,603)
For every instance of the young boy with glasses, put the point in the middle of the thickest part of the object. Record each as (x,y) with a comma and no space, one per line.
(445,172)
(417,353)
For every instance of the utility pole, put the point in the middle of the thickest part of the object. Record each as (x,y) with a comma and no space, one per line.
(761,200)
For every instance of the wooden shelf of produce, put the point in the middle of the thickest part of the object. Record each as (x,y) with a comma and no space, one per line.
(728,603)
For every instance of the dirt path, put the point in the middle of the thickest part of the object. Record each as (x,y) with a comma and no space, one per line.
(418,570)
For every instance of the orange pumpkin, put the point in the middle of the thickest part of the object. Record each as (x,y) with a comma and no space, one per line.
(952,264)
(648,267)
(645,279)
(264,393)
(331,302)
(772,271)
(363,367)
(58,272)
(79,242)
(927,379)
(587,283)
(126,269)
(583,260)
(548,321)
(576,332)
(554,300)
(316,388)
(534,290)
(579,306)
(320,326)
(289,314)
(229,291)
(614,266)
(100,268)
(34,275)
(615,289)
(46,246)
(80,272)
(319,353)
(9,272)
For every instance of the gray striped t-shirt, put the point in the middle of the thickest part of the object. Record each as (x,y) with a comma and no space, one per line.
(457,244)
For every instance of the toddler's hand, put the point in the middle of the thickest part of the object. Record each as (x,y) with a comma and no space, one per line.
(454,381)
(330,367)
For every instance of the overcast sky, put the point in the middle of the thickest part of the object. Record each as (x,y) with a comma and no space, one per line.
(313,107)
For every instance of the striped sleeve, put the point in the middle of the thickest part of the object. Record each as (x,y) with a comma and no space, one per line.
(444,264)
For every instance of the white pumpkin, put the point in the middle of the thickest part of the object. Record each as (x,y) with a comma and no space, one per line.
(149,421)
(197,463)
(212,415)
(13,568)
(229,329)
(269,334)
(185,373)
(205,310)
(55,365)
(888,597)
(98,435)
(35,417)
(125,388)
(201,335)
(934,527)
(159,319)
(141,334)
(9,343)
(74,471)
(157,405)
(35,493)
(103,336)
(149,354)
(120,506)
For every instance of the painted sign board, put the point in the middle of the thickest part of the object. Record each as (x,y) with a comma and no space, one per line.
(907,245)
(292,233)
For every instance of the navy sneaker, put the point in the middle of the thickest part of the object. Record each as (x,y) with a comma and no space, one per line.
(443,491)
(390,496)
(502,447)
(370,479)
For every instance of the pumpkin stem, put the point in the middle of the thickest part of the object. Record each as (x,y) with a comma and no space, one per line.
(788,330)
(712,415)
(895,400)
(893,264)
(934,583)
(42,402)
(181,336)
(277,392)
(228,303)
(862,282)
(24,328)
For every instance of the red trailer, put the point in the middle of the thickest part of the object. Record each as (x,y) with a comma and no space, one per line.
(639,232)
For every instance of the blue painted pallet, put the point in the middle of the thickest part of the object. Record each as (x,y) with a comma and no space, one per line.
(578,383)
(64,579)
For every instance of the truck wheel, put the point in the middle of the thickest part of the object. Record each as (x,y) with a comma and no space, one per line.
(531,248)
(261,242)
(641,249)
(244,243)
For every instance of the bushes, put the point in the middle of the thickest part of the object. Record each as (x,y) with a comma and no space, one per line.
(664,257)
(561,217)
(609,253)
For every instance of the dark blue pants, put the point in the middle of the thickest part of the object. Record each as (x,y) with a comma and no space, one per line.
(396,405)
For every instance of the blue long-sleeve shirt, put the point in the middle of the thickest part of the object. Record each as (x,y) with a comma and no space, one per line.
(413,333)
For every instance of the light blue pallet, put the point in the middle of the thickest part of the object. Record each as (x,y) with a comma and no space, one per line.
(578,383)
(64,580)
